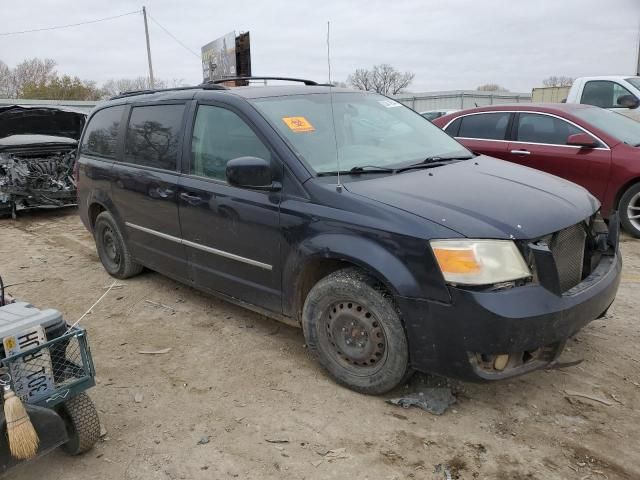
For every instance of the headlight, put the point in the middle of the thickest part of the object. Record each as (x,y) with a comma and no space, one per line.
(479,262)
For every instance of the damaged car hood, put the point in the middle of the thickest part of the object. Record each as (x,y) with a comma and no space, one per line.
(56,121)
(484,198)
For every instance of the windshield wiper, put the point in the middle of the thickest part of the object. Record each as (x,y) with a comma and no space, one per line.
(431,162)
(359,170)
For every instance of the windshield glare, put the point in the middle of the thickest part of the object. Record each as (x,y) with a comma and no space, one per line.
(635,81)
(615,124)
(370,130)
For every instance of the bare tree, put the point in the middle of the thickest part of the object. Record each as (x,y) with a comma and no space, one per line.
(491,87)
(382,78)
(361,79)
(6,81)
(34,71)
(557,81)
(119,85)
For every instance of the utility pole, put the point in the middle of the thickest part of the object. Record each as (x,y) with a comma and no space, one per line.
(146,33)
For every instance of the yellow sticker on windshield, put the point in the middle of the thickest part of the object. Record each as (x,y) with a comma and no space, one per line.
(298,124)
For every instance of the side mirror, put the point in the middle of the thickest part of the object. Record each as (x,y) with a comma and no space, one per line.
(628,101)
(251,172)
(582,140)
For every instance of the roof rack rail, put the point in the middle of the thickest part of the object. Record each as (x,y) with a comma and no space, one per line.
(203,86)
(288,79)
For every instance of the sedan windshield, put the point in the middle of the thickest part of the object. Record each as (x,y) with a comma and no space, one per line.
(618,126)
(635,81)
(371,131)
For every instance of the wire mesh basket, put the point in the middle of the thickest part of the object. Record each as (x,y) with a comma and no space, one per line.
(50,371)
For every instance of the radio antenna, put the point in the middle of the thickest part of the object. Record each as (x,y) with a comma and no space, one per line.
(333,117)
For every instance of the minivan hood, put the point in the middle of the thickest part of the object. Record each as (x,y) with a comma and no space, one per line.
(484,198)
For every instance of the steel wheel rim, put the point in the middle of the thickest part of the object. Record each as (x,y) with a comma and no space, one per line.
(110,247)
(633,211)
(353,337)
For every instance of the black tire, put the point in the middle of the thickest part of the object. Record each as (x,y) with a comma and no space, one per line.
(112,249)
(6,209)
(83,424)
(629,206)
(352,327)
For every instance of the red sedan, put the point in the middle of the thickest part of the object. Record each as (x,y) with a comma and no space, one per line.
(590,146)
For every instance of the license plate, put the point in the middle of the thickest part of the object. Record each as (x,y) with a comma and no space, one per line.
(32,374)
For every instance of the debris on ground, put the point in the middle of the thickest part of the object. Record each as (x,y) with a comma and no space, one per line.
(571,393)
(276,440)
(137,398)
(433,400)
(161,306)
(155,352)
(204,440)
(336,454)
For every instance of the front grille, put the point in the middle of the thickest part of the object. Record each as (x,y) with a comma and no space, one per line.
(567,247)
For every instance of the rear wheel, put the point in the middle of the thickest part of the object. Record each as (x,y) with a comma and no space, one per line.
(353,329)
(629,210)
(82,422)
(112,249)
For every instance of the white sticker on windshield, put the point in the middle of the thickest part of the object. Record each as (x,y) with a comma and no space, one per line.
(389,103)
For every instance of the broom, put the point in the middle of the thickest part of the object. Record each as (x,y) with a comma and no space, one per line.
(23,439)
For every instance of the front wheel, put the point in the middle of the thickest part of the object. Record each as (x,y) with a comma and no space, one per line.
(83,424)
(630,210)
(352,327)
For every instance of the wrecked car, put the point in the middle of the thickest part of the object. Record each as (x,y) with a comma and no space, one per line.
(346,213)
(37,153)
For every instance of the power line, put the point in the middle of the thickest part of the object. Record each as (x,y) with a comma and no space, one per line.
(57,27)
(173,36)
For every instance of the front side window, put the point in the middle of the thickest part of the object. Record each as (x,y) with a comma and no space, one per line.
(355,130)
(535,128)
(491,126)
(101,135)
(153,136)
(219,135)
(603,93)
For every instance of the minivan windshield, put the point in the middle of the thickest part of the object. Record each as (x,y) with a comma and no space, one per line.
(370,131)
(635,81)
(615,124)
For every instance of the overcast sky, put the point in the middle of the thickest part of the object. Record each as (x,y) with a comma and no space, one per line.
(452,44)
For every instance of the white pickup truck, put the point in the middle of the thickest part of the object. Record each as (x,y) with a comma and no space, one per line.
(614,92)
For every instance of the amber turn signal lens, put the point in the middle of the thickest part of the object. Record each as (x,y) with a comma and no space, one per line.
(456,261)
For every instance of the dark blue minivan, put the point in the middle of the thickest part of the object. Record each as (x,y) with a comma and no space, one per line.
(348,214)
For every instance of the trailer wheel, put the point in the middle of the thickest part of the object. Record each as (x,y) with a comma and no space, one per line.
(82,422)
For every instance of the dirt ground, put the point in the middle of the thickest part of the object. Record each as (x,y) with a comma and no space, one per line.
(243,382)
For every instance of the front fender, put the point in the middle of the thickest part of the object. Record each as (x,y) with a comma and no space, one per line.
(407,269)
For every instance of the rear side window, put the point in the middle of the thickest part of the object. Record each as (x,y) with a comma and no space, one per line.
(219,135)
(102,132)
(536,128)
(153,136)
(603,93)
(453,128)
(492,126)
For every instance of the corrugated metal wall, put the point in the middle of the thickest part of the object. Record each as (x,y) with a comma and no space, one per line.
(459,99)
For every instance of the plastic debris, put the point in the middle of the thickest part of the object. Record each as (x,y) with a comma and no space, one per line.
(433,400)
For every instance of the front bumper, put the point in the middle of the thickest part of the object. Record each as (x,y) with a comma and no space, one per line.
(452,338)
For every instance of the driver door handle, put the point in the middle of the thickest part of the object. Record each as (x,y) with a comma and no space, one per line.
(520,152)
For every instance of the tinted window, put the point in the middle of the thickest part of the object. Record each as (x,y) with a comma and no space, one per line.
(492,126)
(536,128)
(153,136)
(603,93)
(102,132)
(219,135)
(453,127)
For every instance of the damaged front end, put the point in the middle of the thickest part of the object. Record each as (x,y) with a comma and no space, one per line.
(37,154)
